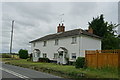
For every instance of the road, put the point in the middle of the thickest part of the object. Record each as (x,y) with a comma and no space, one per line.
(10,72)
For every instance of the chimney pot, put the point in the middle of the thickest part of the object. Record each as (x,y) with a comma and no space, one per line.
(61,28)
(90,30)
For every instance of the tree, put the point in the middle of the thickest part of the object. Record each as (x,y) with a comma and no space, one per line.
(99,26)
(106,31)
(23,54)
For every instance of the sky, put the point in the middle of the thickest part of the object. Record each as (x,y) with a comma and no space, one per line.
(36,19)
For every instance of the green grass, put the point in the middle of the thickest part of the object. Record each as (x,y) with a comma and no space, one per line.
(65,70)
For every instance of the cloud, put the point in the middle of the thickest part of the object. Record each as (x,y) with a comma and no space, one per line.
(37,19)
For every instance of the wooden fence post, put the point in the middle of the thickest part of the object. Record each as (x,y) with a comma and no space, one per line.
(97,58)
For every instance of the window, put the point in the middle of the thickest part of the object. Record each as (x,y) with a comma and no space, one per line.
(73,55)
(74,40)
(55,55)
(44,55)
(56,41)
(34,44)
(45,42)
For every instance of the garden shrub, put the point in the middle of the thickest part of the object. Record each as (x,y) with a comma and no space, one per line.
(28,59)
(30,56)
(80,62)
(44,60)
(71,63)
(23,54)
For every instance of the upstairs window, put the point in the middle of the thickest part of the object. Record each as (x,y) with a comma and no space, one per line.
(74,40)
(44,55)
(73,55)
(56,41)
(44,43)
(34,44)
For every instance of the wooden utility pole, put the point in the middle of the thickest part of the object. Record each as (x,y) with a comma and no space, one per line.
(11,37)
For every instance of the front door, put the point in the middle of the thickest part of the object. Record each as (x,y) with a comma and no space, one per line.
(36,55)
(60,57)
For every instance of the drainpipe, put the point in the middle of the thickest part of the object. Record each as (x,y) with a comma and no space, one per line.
(80,41)
(63,58)
(79,46)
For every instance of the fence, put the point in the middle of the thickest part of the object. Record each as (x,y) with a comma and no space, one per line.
(102,58)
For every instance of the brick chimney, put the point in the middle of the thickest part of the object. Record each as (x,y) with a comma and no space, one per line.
(61,28)
(90,30)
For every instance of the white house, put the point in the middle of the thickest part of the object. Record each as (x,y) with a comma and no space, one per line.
(65,45)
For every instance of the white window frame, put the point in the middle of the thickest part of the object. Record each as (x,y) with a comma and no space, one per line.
(44,43)
(73,54)
(56,41)
(74,40)
(44,55)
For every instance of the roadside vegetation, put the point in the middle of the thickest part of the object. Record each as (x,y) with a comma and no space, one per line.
(5,55)
(67,71)
(8,55)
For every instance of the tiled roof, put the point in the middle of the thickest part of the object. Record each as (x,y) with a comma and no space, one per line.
(66,34)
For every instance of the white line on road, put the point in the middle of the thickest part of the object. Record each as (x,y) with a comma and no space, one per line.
(16,74)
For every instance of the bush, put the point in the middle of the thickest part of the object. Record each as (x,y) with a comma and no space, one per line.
(23,54)
(28,59)
(71,63)
(31,56)
(80,62)
(4,55)
(44,60)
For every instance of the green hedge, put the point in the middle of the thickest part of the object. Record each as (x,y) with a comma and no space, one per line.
(44,60)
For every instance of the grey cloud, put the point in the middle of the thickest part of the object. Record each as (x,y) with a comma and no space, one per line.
(27,10)
(34,20)
(83,7)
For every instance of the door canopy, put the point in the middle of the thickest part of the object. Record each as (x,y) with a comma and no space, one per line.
(62,49)
(36,51)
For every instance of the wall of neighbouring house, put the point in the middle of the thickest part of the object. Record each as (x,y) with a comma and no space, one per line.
(89,43)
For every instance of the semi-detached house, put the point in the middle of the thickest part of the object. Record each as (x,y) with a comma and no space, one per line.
(65,45)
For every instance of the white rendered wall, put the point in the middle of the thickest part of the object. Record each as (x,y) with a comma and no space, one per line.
(89,43)
(51,48)
(83,43)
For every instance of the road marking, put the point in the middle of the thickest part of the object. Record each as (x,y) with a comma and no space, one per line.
(16,74)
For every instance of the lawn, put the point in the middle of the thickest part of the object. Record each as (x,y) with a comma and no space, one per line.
(67,71)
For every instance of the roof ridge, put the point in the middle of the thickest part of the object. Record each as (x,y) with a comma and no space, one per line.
(65,34)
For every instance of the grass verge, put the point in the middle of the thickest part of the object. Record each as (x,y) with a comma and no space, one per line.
(65,71)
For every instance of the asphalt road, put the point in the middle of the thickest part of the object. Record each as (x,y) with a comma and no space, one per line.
(10,72)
